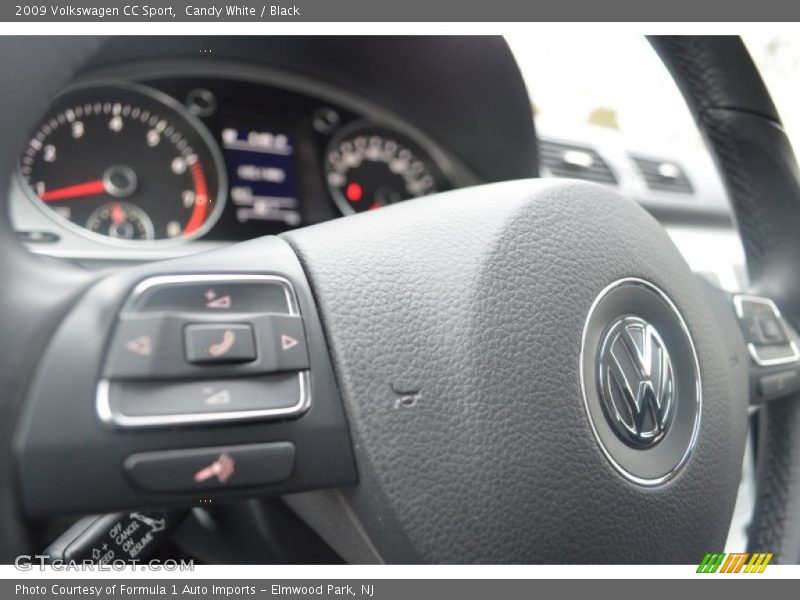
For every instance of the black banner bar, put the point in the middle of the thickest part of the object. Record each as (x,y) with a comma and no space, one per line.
(405,10)
(389,589)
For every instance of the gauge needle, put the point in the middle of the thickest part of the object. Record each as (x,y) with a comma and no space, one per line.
(88,188)
(117,214)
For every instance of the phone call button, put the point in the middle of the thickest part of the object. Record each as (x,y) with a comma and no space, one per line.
(220,343)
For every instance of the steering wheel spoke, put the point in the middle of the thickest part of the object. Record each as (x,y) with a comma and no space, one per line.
(183,381)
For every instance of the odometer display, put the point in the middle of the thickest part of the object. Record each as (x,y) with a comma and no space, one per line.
(127,163)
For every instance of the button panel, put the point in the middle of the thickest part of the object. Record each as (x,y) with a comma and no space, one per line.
(170,364)
(768,337)
(217,468)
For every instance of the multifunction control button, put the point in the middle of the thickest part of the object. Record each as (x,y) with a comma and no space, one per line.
(217,297)
(288,343)
(769,338)
(211,468)
(148,403)
(206,348)
(776,384)
(219,343)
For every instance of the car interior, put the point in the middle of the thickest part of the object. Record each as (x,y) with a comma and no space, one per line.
(360,299)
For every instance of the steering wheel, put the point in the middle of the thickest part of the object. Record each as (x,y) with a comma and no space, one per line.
(518,372)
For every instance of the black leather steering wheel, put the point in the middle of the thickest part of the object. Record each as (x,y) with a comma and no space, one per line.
(519,372)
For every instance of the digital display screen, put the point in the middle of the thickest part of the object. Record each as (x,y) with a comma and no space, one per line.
(261,169)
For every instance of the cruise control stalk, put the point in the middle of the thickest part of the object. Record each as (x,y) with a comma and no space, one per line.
(115,538)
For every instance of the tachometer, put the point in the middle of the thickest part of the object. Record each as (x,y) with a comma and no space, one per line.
(125,162)
(370,166)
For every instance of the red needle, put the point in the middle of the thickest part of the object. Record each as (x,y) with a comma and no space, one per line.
(89,188)
(117,214)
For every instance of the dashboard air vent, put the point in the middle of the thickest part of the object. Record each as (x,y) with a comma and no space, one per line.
(664,176)
(578,162)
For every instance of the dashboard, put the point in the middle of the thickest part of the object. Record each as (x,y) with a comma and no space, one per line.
(165,146)
(154,152)
(163,162)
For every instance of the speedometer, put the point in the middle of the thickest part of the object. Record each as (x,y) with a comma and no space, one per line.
(127,163)
(369,166)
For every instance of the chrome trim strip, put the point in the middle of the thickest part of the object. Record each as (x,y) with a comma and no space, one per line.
(794,352)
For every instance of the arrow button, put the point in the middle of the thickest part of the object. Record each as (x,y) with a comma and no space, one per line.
(289,343)
(136,348)
(141,345)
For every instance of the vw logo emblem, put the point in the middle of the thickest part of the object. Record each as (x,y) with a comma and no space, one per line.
(636,381)
(640,381)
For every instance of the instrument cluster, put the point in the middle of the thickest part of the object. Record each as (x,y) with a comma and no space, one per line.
(161,162)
